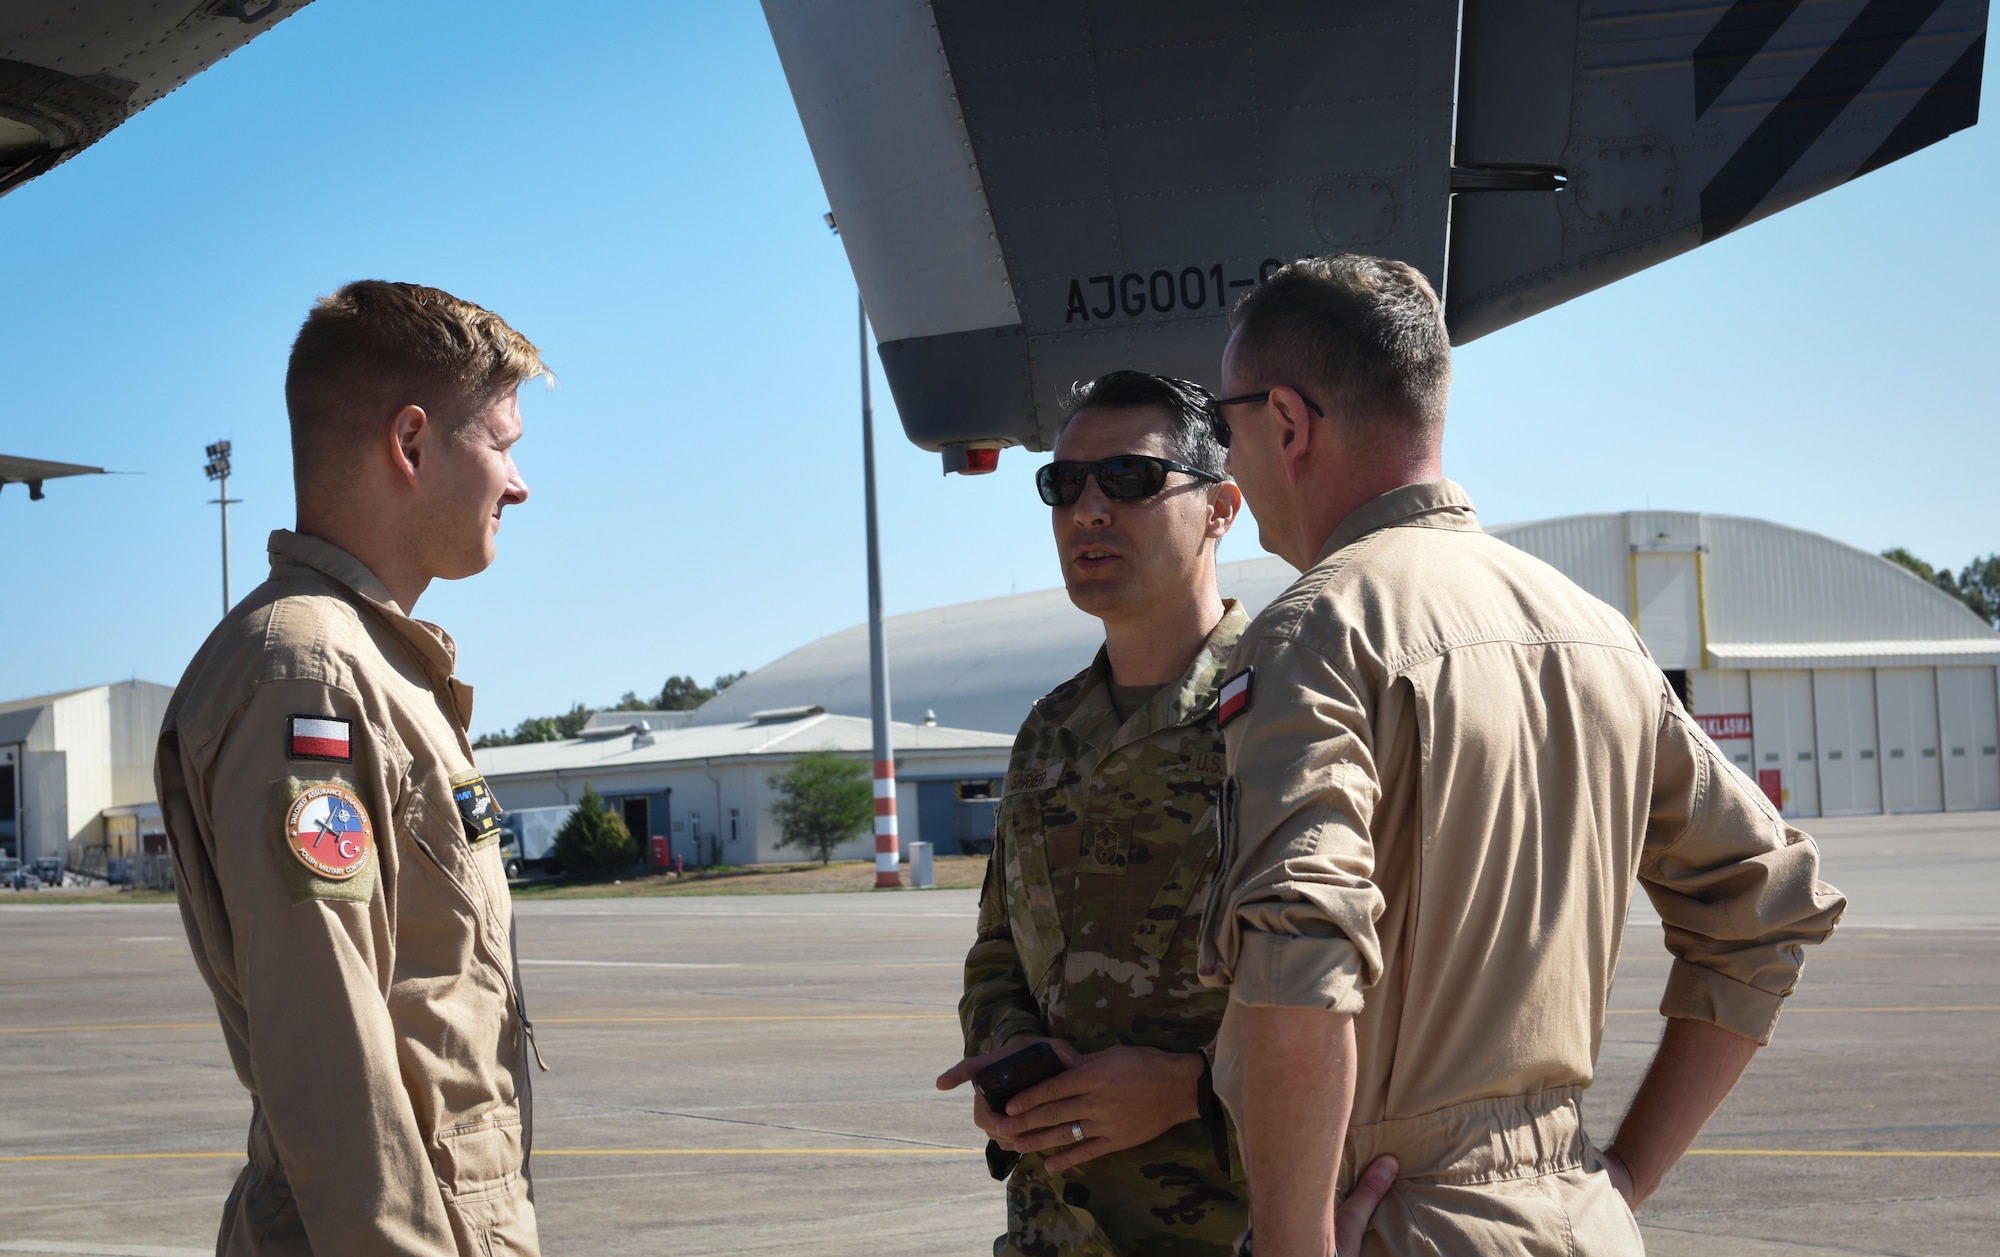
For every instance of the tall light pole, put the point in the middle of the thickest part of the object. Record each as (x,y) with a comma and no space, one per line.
(887,874)
(218,470)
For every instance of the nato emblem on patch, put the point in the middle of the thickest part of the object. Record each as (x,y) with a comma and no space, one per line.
(320,737)
(328,830)
(1235,699)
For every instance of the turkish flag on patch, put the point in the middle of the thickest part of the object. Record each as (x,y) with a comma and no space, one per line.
(321,737)
(1235,698)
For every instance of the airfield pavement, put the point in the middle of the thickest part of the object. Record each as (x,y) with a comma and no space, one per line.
(753,1075)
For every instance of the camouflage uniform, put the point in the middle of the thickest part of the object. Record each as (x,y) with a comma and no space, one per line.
(1089,931)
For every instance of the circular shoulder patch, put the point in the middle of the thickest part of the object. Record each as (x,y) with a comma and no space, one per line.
(328,830)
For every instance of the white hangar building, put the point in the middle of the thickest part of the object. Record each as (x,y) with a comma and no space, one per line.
(1837,680)
(706,789)
(1840,682)
(76,772)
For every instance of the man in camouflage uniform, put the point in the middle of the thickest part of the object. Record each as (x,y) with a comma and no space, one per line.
(1106,841)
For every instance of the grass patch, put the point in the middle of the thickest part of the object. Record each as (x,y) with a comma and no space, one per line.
(954,872)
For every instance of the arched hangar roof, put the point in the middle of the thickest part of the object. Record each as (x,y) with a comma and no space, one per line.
(1775,597)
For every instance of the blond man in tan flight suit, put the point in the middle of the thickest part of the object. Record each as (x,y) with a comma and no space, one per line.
(337,852)
(1448,766)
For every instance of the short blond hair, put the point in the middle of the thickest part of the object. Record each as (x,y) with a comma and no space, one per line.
(374,347)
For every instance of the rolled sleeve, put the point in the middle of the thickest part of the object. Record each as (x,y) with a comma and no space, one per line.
(1292,923)
(1737,889)
(1702,994)
(1298,971)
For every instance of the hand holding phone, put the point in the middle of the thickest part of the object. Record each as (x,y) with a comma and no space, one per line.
(1002,1081)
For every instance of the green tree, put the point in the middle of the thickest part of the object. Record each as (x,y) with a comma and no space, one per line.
(541,729)
(824,800)
(1977,586)
(1910,562)
(682,694)
(593,839)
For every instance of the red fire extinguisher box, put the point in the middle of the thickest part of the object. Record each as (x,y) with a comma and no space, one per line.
(662,856)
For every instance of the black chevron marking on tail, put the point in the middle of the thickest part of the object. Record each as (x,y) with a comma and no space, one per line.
(1842,72)
(1737,36)
(1951,105)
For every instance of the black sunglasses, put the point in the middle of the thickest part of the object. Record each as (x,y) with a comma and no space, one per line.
(1221,425)
(1125,478)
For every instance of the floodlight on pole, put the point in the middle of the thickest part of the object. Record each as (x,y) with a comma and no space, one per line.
(217,469)
(887,856)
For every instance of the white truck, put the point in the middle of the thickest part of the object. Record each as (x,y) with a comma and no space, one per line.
(528,840)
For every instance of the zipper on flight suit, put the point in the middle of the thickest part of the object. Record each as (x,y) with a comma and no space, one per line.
(506,976)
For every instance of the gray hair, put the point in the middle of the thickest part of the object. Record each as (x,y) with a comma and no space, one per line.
(1368,333)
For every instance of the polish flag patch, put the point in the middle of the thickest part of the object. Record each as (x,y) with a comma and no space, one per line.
(1235,698)
(321,737)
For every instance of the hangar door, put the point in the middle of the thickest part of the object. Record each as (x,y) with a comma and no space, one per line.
(1781,706)
(1667,592)
(1970,731)
(1906,703)
(1844,720)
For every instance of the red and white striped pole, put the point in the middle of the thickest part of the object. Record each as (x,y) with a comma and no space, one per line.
(886,854)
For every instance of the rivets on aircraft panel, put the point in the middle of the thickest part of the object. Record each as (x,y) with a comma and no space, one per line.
(1354,211)
(1625,184)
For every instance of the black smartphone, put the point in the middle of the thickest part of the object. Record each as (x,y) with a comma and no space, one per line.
(1011,1075)
(1002,1081)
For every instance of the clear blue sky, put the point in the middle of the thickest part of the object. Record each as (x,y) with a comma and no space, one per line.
(629,185)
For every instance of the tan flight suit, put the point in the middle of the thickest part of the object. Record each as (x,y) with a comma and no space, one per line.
(369,999)
(1103,847)
(1453,765)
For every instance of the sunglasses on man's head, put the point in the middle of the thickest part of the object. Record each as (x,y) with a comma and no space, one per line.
(1125,478)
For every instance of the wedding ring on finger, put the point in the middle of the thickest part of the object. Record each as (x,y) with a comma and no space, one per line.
(1076,1132)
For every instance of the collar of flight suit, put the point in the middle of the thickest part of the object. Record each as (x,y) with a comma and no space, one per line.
(290,552)
(1094,721)
(1432,504)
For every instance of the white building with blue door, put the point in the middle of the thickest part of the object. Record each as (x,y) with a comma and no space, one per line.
(706,788)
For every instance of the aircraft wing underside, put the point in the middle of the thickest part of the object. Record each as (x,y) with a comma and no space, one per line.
(71,70)
(1034,193)
(33,471)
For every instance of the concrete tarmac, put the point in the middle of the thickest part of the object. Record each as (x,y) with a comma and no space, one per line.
(753,1075)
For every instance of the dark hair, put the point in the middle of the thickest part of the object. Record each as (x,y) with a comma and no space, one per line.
(1367,332)
(1190,440)
(373,347)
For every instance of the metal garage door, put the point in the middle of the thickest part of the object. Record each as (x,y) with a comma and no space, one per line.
(1966,721)
(1844,719)
(1669,597)
(1906,706)
(1781,710)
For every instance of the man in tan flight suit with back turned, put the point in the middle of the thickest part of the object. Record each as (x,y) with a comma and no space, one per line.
(1448,766)
(337,853)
